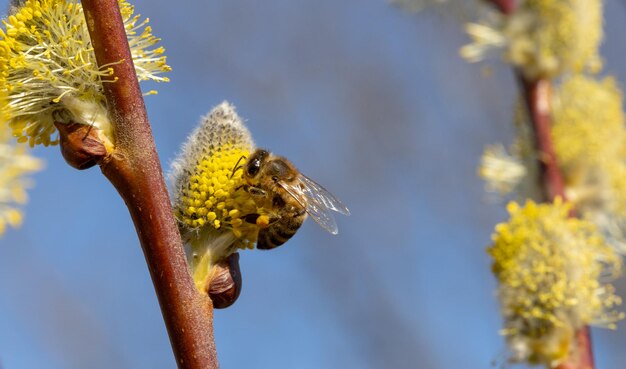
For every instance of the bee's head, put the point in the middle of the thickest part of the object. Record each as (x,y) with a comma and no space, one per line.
(255,162)
(263,165)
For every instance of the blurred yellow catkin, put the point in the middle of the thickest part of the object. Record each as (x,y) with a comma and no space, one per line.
(49,71)
(543,38)
(550,269)
(16,164)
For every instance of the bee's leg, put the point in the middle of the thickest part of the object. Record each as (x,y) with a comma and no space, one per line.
(264,220)
(251,218)
(254,191)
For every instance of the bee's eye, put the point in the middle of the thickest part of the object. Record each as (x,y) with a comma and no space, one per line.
(253,167)
(277,169)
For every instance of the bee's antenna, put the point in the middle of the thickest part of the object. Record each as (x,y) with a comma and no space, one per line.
(237,166)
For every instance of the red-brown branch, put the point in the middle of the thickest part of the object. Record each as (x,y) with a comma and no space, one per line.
(504,6)
(585,354)
(135,171)
(537,96)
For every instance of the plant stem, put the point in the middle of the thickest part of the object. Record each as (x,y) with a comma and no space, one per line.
(134,169)
(585,354)
(537,96)
(504,6)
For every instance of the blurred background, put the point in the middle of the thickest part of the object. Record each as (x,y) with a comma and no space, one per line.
(372,102)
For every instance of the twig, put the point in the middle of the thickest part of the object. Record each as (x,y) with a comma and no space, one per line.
(537,96)
(505,6)
(135,172)
(585,354)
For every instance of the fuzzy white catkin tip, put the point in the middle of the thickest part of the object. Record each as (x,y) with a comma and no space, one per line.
(220,126)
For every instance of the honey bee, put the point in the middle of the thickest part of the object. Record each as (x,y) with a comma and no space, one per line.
(290,195)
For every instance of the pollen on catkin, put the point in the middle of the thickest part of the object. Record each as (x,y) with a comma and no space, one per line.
(588,121)
(544,38)
(550,269)
(49,70)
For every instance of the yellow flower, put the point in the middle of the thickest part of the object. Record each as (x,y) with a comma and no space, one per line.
(15,164)
(549,267)
(48,67)
(588,121)
(208,198)
(544,38)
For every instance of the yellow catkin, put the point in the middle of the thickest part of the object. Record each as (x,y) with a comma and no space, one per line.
(16,164)
(209,200)
(549,267)
(590,141)
(544,38)
(588,121)
(49,70)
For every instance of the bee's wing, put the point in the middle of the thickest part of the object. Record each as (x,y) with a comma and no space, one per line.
(312,190)
(318,202)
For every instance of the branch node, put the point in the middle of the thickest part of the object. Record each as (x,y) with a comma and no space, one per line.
(82,146)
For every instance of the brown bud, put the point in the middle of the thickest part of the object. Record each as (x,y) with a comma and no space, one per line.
(226,283)
(81,145)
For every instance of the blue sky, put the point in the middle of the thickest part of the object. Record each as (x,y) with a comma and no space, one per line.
(372,103)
